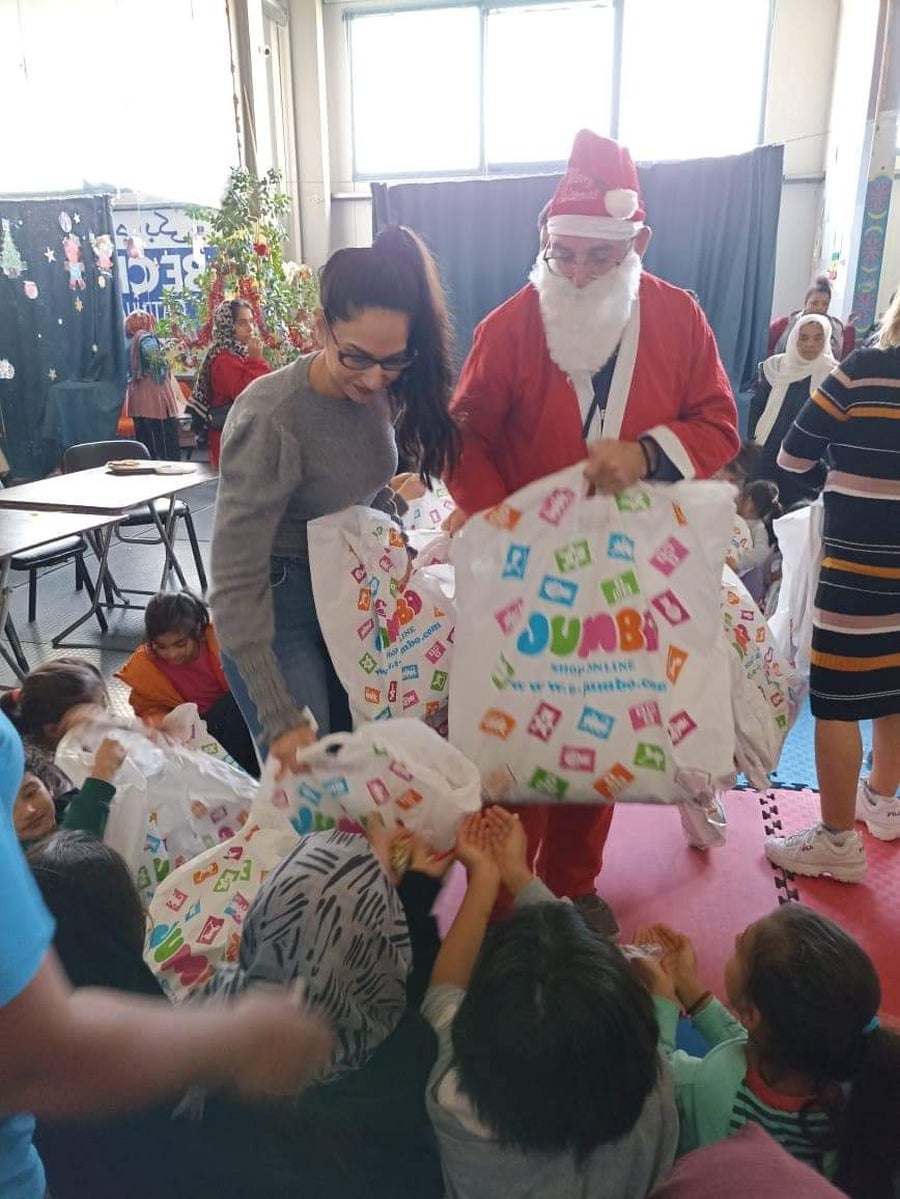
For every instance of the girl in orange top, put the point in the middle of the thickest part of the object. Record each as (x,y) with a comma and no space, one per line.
(180,663)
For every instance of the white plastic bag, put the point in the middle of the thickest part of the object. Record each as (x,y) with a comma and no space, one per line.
(766,692)
(197,912)
(388,622)
(590,660)
(431,510)
(400,768)
(171,803)
(799,536)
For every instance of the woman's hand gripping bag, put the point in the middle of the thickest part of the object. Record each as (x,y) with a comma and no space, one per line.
(766,692)
(171,803)
(590,662)
(388,623)
(400,768)
(197,912)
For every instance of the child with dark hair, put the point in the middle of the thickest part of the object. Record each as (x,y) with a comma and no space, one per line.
(548,1081)
(759,505)
(742,466)
(179,663)
(54,697)
(37,812)
(808,1059)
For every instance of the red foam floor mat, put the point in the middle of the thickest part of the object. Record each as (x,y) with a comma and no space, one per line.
(650,875)
(870,910)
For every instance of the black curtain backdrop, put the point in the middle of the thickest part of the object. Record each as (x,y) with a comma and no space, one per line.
(714,220)
(62,344)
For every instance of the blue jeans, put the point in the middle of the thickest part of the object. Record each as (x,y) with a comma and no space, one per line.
(301,654)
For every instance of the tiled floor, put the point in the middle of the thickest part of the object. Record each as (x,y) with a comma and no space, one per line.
(137,566)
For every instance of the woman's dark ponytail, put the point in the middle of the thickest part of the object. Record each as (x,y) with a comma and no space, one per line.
(11,705)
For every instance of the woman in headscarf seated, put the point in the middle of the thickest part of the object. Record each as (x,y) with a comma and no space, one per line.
(350,916)
(785,383)
(815,303)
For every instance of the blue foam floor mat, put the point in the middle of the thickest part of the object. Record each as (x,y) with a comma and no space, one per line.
(797,767)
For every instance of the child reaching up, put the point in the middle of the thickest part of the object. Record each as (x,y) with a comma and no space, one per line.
(548,1082)
(36,814)
(808,1060)
(179,663)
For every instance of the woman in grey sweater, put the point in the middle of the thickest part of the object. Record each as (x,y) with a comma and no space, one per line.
(313,438)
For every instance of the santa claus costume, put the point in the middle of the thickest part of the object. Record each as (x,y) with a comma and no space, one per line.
(593,350)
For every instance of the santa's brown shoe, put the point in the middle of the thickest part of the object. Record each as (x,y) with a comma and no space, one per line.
(598,914)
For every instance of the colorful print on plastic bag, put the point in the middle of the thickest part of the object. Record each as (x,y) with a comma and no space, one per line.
(590,662)
(766,690)
(388,624)
(431,510)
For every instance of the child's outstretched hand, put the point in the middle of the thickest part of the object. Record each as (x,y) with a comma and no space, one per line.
(678,960)
(509,845)
(473,849)
(109,757)
(650,972)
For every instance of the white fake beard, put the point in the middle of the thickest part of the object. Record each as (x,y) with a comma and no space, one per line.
(583,325)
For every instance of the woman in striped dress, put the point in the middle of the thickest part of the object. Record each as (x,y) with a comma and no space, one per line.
(853,421)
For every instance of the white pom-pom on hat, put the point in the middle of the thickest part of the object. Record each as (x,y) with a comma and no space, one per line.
(621,202)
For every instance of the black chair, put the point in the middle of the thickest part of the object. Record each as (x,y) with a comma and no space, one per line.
(15,655)
(91,454)
(55,553)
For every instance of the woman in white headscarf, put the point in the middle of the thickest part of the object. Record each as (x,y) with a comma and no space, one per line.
(785,383)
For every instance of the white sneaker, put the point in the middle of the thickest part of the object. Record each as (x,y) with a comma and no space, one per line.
(881,813)
(704,825)
(814,851)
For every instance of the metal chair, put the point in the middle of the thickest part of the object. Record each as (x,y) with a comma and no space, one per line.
(54,553)
(97,453)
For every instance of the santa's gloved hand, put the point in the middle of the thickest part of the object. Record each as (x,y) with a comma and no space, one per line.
(615,465)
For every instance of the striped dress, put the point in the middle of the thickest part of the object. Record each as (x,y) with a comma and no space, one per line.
(853,423)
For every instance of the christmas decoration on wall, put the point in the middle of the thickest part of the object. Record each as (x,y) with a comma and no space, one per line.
(11,262)
(7,370)
(74,264)
(50,255)
(135,246)
(31,289)
(65,222)
(247,235)
(104,252)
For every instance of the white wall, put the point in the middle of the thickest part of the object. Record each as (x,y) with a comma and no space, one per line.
(798,103)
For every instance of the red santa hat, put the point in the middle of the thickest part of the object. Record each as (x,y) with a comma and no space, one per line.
(598,196)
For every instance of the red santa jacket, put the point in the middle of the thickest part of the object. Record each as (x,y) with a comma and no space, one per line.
(519,415)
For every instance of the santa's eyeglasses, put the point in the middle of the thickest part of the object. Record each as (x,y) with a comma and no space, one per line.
(356,360)
(595,262)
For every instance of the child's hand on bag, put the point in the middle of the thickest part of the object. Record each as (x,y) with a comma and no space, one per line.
(409,486)
(286,747)
(109,757)
(509,845)
(473,849)
(454,522)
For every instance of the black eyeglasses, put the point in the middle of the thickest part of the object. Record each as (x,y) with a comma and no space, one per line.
(355,360)
(596,262)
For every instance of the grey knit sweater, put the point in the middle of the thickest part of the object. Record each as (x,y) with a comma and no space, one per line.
(289,455)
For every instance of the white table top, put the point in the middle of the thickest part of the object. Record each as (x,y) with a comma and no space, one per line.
(99,491)
(23,530)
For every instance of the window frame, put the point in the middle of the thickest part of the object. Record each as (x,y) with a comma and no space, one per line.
(500,170)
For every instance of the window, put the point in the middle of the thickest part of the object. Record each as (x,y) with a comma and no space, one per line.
(548,73)
(502,85)
(693,76)
(136,96)
(416,92)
